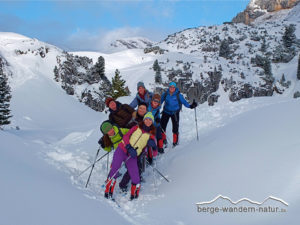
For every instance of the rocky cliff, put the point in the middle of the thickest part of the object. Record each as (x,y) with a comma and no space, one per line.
(257,8)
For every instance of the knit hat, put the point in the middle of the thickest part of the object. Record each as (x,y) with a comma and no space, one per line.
(105,127)
(172,84)
(140,84)
(143,103)
(108,100)
(149,115)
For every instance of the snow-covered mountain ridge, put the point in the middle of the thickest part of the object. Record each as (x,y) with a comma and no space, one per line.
(230,61)
(131,43)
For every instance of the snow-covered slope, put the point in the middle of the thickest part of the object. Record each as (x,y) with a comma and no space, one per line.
(246,149)
(26,56)
(254,156)
(130,43)
(120,60)
(34,192)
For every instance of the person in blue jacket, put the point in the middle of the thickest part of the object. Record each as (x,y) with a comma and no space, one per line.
(173,103)
(154,107)
(143,95)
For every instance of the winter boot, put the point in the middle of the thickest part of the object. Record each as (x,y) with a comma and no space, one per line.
(135,189)
(110,186)
(160,144)
(161,150)
(164,139)
(175,139)
(124,190)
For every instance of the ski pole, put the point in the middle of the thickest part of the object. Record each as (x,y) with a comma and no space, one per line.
(196,123)
(157,171)
(124,161)
(154,177)
(169,140)
(112,177)
(92,165)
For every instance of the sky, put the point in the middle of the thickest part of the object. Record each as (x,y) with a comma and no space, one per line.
(93,25)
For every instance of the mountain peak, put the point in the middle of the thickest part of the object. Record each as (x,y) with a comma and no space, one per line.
(12,36)
(257,8)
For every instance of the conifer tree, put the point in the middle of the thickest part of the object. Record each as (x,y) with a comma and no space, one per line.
(263,45)
(5,96)
(97,72)
(268,70)
(224,49)
(118,86)
(289,36)
(298,70)
(157,70)
(282,80)
(156,66)
(56,74)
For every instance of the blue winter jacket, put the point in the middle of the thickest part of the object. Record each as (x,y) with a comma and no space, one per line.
(155,113)
(171,102)
(138,99)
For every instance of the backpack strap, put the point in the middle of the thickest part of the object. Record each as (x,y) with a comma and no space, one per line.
(163,98)
(157,112)
(138,100)
(120,132)
(179,102)
(164,95)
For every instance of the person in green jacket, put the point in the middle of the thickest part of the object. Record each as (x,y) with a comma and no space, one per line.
(112,135)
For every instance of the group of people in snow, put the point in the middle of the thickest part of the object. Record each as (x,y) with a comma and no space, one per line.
(138,135)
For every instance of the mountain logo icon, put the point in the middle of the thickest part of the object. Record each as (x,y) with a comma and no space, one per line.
(242,200)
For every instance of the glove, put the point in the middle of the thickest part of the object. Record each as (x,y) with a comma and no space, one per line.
(131,151)
(101,142)
(193,105)
(151,143)
(157,120)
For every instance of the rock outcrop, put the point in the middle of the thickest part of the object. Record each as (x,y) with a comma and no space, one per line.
(257,8)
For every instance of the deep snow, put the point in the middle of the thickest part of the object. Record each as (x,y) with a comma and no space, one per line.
(33,192)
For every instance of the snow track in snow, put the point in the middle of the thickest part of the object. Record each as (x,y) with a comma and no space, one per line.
(66,156)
